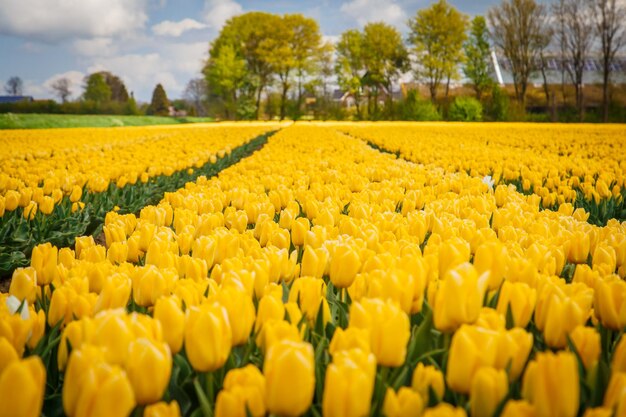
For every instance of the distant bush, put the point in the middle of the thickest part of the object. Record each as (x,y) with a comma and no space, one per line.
(466,109)
(497,105)
(418,109)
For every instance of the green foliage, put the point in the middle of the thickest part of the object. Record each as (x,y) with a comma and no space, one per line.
(476,48)
(159,103)
(417,109)
(115,83)
(49,121)
(466,109)
(497,108)
(437,35)
(96,89)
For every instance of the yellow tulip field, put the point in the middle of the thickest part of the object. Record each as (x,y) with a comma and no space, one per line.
(314,269)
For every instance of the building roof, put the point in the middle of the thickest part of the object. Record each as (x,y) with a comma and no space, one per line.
(14,99)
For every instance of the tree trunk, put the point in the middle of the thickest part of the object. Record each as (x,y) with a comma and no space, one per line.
(447,87)
(283,101)
(605,93)
(433,91)
(258,103)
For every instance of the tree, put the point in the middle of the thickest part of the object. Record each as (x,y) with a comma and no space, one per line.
(609,16)
(385,57)
(115,83)
(245,33)
(476,48)
(576,34)
(437,35)
(519,29)
(96,89)
(290,51)
(14,86)
(226,74)
(350,65)
(159,105)
(61,88)
(196,94)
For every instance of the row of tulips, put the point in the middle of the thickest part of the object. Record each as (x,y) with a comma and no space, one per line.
(579,164)
(29,216)
(321,277)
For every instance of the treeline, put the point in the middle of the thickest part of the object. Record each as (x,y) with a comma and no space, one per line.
(263,65)
(103,93)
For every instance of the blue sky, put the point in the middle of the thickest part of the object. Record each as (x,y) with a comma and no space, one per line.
(150,41)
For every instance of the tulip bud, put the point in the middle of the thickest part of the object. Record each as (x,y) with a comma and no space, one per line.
(459,298)
(520,298)
(12,200)
(388,326)
(148,366)
(299,228)
(586,340)
(492,257)
(240,309)
(471,348)
(551,384)
(7,354)
(44,261)
(76,194)
(614,394)
(168,312)
(405,403)
(604,259)
(244,388)
(270,308)
(426,378)
(452,253)
(208,337)
(351,338)
(310,294)
(444,410)
(24,284)
(149,284)
(344,265)
(610,302)
(313,262)
(289,371)
(162,409)
(94,388)
(22,387)
(514,347)
(518,408)
(489,387)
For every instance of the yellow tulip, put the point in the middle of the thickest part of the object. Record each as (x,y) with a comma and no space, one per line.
(349,384)
(274,331)
(30,210)
(551,384)
(518,408)
(289,371)
(404,403)
(388,326)
(610,302)
(314,262)
(44,261)
(425,378)
(452,253)
(24,284)
(491,257)
(604,259)
(520,298)
(444,410)
(344,265)
(7,353)
(12,200)
(148,366)
(94,388)
(614,394)
(168,312)
(351,338)
(270,308)
(586,340)
(149,284)
(599,412)
(299,228)
(310,294)
(240,311)
(75,334)
(514,347)
(22,387)
(459,298)
(208,337)
(471,349)
(115,292)
(162,409)
(244,388)
(489,387)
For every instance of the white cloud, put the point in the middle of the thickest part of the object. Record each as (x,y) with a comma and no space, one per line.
(364,11)
(95,47)
(55,20)
(217,12)
(175,29)
(76,82)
